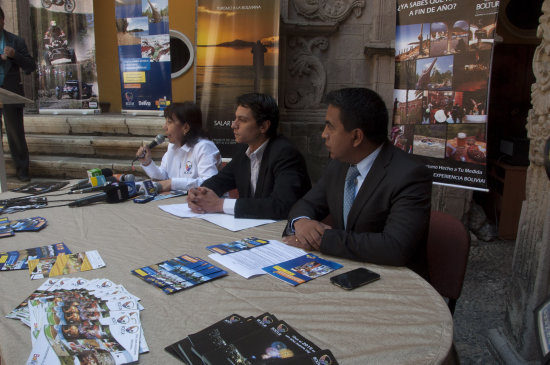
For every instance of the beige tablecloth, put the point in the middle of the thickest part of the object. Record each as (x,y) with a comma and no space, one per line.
(399,319)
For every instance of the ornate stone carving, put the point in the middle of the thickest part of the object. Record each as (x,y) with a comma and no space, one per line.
(539,117)
(329,10)
(305,89)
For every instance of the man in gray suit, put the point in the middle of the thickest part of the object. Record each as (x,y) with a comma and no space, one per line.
(13,57)
(377,196)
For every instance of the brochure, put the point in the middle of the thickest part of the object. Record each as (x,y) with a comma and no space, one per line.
(5,228)
(63,264)
(236,246)
(74,320)
(17,260)
(19,204)
(302,269)
(279,341)
(28,224)
(179,273)
(249,263)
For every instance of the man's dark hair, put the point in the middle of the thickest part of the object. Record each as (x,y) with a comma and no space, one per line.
(2,13)
(263,108)
(361,108)
(190,113)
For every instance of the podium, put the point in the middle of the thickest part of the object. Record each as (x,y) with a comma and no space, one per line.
(8,97)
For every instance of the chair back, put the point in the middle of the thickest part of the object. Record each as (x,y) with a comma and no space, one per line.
(448,247)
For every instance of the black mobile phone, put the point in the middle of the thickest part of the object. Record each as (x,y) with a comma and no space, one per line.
(355,278)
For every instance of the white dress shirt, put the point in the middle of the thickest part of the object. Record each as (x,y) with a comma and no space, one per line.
(187,166)
(255,162)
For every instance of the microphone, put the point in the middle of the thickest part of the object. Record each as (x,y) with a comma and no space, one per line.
(124,178)
(152,188)
(113,194)
(85,183)
(158,140)
(89,189)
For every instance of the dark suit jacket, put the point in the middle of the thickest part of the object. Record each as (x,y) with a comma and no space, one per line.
(22,59)
(282,180)
(388,221)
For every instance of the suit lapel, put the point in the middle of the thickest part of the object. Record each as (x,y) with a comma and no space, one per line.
(374,177)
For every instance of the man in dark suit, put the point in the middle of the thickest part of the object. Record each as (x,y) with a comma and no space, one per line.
(14,55)
(268,171)
(384,192)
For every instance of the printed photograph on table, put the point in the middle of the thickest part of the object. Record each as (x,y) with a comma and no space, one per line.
(443,58)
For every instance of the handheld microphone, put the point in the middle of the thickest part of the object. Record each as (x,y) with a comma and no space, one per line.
(113,194)
(158,140)
(153,188)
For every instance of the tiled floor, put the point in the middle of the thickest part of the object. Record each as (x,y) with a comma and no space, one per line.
(481,305)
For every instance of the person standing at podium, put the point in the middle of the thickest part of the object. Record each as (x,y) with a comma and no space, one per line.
(13,57)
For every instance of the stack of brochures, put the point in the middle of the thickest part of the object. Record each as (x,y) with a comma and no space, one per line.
(179,273)
(239,340)
(79,321)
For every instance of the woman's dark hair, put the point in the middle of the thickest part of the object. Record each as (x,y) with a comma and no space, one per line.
(190,113)
(263,108)
(361,108)
(2,13)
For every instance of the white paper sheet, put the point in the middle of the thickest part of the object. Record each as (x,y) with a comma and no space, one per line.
(249,263)
(223,220)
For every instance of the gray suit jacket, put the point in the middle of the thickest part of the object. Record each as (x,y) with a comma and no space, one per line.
(388,221)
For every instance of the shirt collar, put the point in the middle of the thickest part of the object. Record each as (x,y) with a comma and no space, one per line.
(185,147)
(365,164)
(259,152)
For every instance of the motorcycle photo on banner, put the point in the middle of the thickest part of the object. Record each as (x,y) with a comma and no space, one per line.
(64,45)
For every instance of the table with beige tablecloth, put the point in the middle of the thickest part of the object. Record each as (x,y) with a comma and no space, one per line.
(399,319)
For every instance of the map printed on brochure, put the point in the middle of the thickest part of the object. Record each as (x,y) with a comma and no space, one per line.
(236,246)
(79,321)
(179,273)
(302,269)
(63,264)
(17,260)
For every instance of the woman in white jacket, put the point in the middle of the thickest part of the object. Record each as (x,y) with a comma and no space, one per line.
(190,159)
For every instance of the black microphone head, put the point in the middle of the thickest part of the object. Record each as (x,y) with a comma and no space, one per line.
(159,139)
(106,172)
(117,193)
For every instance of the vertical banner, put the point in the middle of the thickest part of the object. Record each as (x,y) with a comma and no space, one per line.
(443,52)
(64,47)
(144,55)
(237,53)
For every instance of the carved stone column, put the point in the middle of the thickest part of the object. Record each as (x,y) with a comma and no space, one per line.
(517,340)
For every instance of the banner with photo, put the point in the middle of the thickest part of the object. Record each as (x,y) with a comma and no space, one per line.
(237,53)
(144,55)
(443,54)
(64,47)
